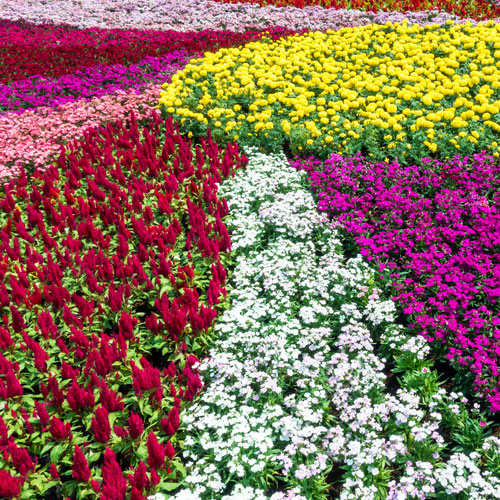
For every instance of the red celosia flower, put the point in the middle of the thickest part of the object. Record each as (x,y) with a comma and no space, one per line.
(120,431)
(171,423)
(135,494)
(79,398)
(169,451)
(139,479)
(17,319)
(156,452)
(57,393)
(155,478)
(43,414)
(20,459)
(14,387)
(80,469)
(59,430)
(10,486)
(100,425)
(114,485)
(135,425)
(126,325)
(5,339)
(54,473)
(110,400)
(68,372)
(115,297)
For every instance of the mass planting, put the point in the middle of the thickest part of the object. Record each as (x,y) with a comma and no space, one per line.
(320,324)
(385,90)
(197,15)
(435,228)
(87,83)
(477,9)
(113,268)
(50,50)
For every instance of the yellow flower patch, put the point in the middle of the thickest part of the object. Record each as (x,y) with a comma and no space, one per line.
(366,89)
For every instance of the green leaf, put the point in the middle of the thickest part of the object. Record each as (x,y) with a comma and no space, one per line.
(170,486)
(56,452)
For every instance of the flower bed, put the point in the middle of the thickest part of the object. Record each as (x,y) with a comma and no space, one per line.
(196,15)
(33,139)
(434,227)
(295,387)
(388,91)
(51,50)
(112,269)
(477,9)
(84,84)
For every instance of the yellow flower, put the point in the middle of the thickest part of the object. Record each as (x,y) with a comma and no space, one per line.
(361,76)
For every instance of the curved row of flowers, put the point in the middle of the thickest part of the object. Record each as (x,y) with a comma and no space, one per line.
(300,386)
(295,387)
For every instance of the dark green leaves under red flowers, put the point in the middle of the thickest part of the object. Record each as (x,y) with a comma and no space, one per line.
(111,269)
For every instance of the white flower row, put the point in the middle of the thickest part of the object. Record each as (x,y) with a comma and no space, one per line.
(294,385)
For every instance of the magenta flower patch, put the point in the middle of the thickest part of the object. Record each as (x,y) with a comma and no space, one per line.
(434,229)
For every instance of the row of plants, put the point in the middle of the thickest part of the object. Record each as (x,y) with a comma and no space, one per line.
(32,139)
(432,230)
(477,9)
(113,270)
(87,83)
(312,389)
(387,91)
(53,50)
(197,15)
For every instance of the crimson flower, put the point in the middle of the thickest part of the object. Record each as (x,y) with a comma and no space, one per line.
(135,425)
(10,486)
(80,469)
(100,425)
(59,430)
(156,452)
(114,485)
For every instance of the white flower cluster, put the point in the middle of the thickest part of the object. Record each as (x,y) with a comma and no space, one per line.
(264,405)
(294,383)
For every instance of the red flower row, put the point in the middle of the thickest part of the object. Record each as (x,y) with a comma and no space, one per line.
(28,49)
(111,266)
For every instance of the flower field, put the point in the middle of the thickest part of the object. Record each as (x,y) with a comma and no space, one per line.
(249,250)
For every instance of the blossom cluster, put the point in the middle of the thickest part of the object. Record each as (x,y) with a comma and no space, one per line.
(196,15)
(87,83)
(112,269)
(479,9)
(384,90)
(52,50)
(294,385)
(434,227)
